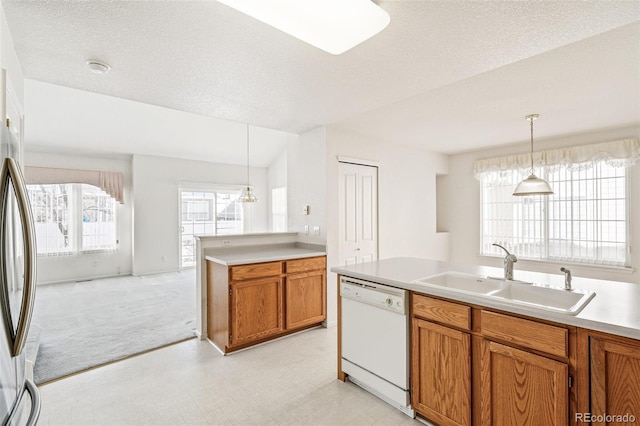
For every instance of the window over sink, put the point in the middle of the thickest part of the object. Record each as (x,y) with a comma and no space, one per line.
(586,220)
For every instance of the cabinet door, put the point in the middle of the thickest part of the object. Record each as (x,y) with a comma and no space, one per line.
(615,380)
(306,302)
(255,309)
(441,373)
(521,388)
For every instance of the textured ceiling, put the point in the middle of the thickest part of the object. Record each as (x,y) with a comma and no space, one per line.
(406,84)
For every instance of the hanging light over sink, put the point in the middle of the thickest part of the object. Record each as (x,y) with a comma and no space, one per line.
(533,185)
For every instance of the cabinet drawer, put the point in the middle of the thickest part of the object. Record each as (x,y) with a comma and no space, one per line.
(307,264)
(442,311)
(256,270)
(529,334)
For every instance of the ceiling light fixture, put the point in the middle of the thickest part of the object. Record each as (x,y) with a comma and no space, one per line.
(247,195)
(334,26)
(98,67)
(532,185)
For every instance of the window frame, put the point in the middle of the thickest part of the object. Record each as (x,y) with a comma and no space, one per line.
(543,172)
(203,187)
(75,223)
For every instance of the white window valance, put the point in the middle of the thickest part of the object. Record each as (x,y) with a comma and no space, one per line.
(620,153)
(109,182)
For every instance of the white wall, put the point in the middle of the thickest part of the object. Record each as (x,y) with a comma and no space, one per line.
(276,178)
(463,207)
(156,205)
(89,265)
(307,185)
(406,199)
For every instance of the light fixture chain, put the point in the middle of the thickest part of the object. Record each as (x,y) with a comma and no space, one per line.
(248,180)
(531,122)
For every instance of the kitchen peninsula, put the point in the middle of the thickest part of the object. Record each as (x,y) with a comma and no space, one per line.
(471,352)
(257,287)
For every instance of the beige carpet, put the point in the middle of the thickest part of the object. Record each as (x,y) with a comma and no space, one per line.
(89,323)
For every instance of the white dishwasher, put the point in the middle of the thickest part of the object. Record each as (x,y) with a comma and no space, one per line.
(375,340)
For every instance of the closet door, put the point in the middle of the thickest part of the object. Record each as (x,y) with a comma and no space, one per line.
(358,209)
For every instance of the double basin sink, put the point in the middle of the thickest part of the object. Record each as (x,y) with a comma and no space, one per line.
(520,293)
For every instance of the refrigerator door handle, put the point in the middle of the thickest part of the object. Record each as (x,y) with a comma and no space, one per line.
(30,387)
(11,174)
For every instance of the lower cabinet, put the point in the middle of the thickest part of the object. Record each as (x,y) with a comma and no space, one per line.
(472,365)
(522,388)
(441,373)
(305,299)
(615,381)
(256,310)
(252,303)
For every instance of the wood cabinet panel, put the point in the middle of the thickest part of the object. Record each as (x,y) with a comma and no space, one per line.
(256,270)
(441,311)
(529,334)
(441,373)
(521,388)
(306,300)
(256,310)
(615,380)
(303,265)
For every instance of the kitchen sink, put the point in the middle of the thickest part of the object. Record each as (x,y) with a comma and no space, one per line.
(462,282)
(520,293)
(544,297)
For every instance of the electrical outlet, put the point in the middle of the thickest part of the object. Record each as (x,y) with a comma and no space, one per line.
(316,230)
(306,229)
(305,210)
(226,242)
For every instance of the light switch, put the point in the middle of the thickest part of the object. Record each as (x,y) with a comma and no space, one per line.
(306,210)
(306,229)
(316,230)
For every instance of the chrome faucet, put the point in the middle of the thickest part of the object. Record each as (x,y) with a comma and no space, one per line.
(567,278)
(509,260)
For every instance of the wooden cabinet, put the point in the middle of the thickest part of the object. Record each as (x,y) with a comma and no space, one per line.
(615,379)
(306,300)
(248,304)
(441,373)
(521,383)
(256,310)
(522,388)
(472,365)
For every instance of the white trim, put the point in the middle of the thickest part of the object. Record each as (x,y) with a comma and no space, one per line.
(199,186)
(358,161)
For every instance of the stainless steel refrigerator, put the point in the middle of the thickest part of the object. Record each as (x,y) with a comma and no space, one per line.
(19,398)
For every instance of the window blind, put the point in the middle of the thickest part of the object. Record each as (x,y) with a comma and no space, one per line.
(109,182)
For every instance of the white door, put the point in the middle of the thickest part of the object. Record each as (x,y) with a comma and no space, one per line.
(358,204)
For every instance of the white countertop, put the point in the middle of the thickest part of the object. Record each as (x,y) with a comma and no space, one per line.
(263,253)
(615,309)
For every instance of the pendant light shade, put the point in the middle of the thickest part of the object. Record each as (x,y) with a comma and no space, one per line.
(247,195)
(532,185)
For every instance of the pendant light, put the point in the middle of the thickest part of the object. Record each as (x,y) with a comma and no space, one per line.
(247,195)
(532,185)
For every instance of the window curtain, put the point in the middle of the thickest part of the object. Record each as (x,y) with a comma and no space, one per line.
(620,153)
(109,182)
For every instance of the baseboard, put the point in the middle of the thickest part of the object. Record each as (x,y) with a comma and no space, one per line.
(330,324)
(78,279)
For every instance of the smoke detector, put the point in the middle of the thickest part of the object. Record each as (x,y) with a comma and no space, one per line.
(98,67)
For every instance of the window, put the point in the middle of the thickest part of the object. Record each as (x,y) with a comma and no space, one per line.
(586,220)
(213,212)
(279,209)
(72,218)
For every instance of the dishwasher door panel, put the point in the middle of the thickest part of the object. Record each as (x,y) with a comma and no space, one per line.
(376,340)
